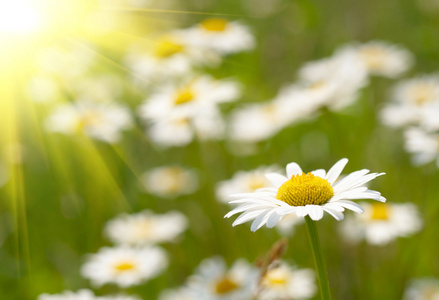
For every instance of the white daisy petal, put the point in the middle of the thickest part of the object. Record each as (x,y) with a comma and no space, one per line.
(293,169)
(320,172)
(273,220)
(276,179)
(351,206)
(336,170)
(261,220)
(336,214)
(315,212)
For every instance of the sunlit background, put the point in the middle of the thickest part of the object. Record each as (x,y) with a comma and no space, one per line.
(158,110)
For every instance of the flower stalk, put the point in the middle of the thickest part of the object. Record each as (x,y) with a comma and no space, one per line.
(318,258)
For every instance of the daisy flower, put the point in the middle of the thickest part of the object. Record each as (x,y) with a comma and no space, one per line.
(146,228)
(304,194)
(124,266)
(244,181)
(382,58)
(422,289)
(169,56)
(285,282)
(83,294)
(423,145)
(220,35)
(178,131)
(170,181)
(101,121)
(410,100)
(214,281)
(334,81)
(382,223)
(182,293)
(190,98)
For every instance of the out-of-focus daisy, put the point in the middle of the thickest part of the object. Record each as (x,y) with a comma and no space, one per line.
(182,293)
(124,266)
(101,121)
(43,89)
(68,62)
(214,281)
(410,99)
(423,145)
(305,194)
(177,131)
(170,181)
(99,88)
(220,35)
(259,121)
(244,181)
(336,80)
(169,56)
(287,225)
(191,98)
(382,58)
(146,228)
(83,294)
(285,282)
(422,289)
(382,223)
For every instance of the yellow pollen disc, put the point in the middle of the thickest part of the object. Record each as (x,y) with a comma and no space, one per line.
(183,96)
(214,24)
(423,93)
(275,277)
(225,285)
(166,48)
(305,189)
(374,57)
(379,212)
(256,183)
(124,267)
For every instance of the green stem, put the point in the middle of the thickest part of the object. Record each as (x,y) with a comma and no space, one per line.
(318,258)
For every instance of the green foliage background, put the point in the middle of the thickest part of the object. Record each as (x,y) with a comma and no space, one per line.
(53,209)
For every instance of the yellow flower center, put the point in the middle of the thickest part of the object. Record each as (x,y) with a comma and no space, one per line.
(379,212)
(184,95)
(373,57)
(305,189)
(256,182)
(275,277)
(166,48)
(126,266)
(423,93)
(225,285)
(214,24)
(89,118)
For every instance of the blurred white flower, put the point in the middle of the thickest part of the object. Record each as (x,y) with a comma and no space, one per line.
(214,281)
(182,293)
(381,58)
(170,181)
(422,289)
(69,62)
(99,88)
(169,56)
(336,80)
(146,228)
(423,145)
(244,181)
(124,266)
(191,98)
(287,225)
(43,89)
(285,282)
(177,131)
(382,223)
(304,194)
(220,35)
(101,121)
(410,99)
(83,294)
